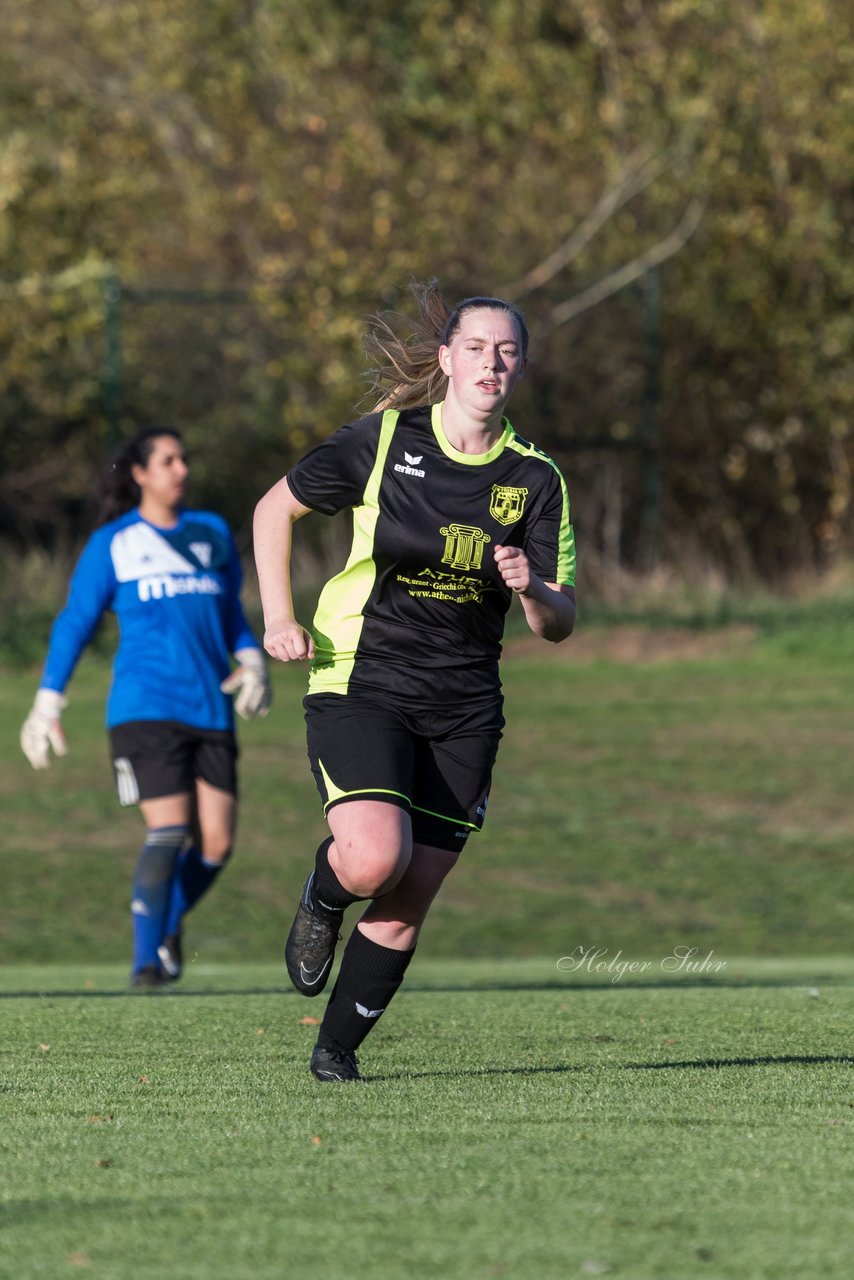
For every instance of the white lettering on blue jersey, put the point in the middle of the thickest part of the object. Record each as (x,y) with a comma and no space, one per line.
(165,585)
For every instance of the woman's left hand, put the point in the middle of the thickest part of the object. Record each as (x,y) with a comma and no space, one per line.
(549,608)
(512,564)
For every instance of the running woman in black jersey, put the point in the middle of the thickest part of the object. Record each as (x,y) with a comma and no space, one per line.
(453,514)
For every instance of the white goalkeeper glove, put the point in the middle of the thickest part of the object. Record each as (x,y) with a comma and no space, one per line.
(250,683)
(41,730)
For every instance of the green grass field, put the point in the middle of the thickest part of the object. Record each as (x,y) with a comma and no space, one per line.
(638,805)
(516,1122)
(533,1109)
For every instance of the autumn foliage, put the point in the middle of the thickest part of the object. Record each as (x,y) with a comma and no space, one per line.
(201,200)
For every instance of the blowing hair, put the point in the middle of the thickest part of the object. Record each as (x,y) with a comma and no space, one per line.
(121,493)
(407,371)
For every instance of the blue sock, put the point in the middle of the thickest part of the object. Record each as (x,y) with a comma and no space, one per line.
(192,879)
(150,892)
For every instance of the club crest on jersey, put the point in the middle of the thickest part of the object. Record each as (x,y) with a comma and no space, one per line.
(463,545)
(506,503)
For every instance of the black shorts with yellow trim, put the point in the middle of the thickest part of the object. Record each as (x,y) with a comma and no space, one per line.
(155,758)
(434,762)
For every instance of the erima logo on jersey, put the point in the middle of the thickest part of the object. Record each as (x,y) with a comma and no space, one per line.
(165,584)
(410,468)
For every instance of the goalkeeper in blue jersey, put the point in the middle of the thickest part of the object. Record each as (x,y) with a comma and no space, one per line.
(172,578)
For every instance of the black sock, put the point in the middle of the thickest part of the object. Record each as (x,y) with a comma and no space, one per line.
(368,978)
(328,889)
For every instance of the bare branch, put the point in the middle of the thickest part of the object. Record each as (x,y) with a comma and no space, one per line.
(633,270)
(640,171)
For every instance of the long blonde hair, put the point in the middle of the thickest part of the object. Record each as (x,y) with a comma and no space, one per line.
(407,371)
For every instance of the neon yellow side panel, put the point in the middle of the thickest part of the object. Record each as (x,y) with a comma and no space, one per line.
(338,619)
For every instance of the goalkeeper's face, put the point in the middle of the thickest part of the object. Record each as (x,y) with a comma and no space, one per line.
(163,479)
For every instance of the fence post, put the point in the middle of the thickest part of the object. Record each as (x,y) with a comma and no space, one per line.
(112,374)
(650,425)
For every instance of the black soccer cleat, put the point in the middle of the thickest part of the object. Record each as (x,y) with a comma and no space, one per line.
(171,956)
(333,1064)
(148,978)
(310,948)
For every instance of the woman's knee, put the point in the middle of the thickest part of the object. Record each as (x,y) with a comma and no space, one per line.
(372,846)
(216,852)
(215,822)
(368,870)
(401,912)
(215,842)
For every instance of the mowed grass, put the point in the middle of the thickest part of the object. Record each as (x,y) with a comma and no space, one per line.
(517,1122)
(637,806)
(580,1076)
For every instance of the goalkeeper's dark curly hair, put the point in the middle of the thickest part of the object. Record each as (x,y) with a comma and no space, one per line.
(121,493)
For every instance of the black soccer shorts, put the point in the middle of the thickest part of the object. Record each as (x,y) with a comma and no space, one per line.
(436,763)
(154,758)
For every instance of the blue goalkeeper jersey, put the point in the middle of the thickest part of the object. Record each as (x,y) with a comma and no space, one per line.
(176,597)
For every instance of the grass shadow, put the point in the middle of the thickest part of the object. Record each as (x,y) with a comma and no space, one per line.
(702,1064)
(475,1073)
(164,993)
(699,1064)
(674,984)
(427,988)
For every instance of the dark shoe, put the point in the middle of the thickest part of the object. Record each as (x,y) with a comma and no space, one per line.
(171,956)
(310,947)
(332,1064)
(148,978)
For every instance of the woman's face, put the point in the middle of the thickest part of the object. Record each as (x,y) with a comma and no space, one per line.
(163,479)
(483,361)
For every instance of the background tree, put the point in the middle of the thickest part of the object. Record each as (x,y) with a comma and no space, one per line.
(259,176)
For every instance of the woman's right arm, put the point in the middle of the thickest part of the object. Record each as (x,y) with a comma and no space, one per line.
(284,638)
(90,592)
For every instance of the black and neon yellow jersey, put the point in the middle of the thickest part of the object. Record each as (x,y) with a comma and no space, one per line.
(418,610)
